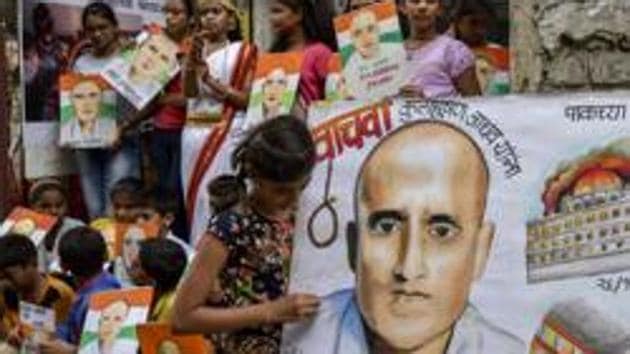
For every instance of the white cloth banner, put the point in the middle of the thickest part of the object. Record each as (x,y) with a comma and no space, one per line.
(533,252)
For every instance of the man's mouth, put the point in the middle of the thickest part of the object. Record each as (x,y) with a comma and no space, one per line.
(406,303)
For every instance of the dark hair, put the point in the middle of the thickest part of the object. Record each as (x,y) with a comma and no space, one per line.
(129,185)
(225,191)
(17,250)
(83,251)
(280,149)
(40,188)
(162,201)
(463,8)
(164,261)
(316,23)
(100,9)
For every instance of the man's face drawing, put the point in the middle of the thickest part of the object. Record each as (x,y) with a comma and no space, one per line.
(86,99)
(155,58)
(131,245)
(421,237)
(112,319)
(273,89)
(364,32)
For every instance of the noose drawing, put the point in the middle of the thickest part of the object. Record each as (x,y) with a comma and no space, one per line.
(326,205)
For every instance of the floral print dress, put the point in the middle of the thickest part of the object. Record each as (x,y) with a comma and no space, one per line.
(256,271)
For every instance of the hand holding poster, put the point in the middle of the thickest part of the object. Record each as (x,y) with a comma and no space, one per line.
(88,111)
(468,222)
(28,223)
(110,325)
(139,74)
(159,339)
(275,87)
(372,51)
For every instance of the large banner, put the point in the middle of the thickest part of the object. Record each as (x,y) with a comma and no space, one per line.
(474,226)
(50,29)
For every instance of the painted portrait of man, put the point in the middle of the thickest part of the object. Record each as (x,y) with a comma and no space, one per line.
(110,323)
(365,34)
(154,60)
(419,242)
(274,88)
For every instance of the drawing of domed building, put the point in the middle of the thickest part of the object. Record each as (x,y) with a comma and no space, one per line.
(586,226)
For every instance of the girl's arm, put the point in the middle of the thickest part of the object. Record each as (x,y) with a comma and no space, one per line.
(238,99)
(191,314)
(467,84)
(190,69)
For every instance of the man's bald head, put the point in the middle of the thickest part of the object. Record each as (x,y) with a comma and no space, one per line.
(422,242)
(444,144)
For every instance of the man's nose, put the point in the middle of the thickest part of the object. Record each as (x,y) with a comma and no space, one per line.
(411,264)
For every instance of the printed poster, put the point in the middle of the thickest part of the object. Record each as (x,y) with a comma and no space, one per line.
(127,248)
(110,325)
(139,74)
(336,85)
(372,51)
(158,339)
(28,223)
(471,226)
(37,324)
(87,111)
(275,86)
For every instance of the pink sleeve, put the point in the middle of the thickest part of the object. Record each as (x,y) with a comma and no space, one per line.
(323,55)
(459,58)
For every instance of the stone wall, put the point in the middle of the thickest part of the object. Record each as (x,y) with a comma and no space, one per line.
(570,45)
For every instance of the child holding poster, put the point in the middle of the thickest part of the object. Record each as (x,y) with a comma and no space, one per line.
(275,87)
(306,27)
(100,169)
(217,80)
(243,259)
(372,51)
(441,66)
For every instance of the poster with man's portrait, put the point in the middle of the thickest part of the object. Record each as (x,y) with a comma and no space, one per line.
(159,339)
(139,74)
(110,325)
(28,223)
(466,226)
(337,88)
(275,86)
(372,51)
(37,324)
(87,111)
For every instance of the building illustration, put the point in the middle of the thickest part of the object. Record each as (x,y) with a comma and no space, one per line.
(585,229)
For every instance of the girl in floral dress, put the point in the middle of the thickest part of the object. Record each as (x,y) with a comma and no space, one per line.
(236,290)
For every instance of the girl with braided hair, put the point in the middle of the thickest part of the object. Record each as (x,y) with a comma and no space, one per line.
(243,259)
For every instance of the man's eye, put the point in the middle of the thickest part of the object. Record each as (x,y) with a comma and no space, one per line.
(443,231)
(385,226)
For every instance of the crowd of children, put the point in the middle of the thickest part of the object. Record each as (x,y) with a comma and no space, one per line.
(232,285)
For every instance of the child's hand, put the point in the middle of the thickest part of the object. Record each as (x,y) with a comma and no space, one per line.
(56,346)
(293,308)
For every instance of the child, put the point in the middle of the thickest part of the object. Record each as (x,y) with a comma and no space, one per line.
(472,19)
(82,252)
(19,270)
(160,209)
(126,199)
(242,261)
(444,67)
(305,26)
(162,262)
(100,169)
(49,196)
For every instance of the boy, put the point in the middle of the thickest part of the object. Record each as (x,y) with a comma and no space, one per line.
(160,208)
(126,198)
(82,252)
(162,263)
(23,282)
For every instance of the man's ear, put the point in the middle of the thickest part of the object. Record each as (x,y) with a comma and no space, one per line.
(352,238)
(485,236)
(168,219)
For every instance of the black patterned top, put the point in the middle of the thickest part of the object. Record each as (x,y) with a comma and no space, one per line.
(256,271)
